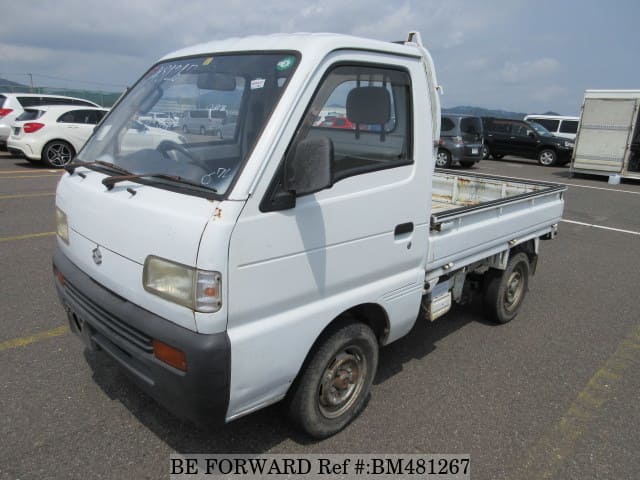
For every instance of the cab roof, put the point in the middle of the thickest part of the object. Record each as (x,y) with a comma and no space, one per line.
(308,44)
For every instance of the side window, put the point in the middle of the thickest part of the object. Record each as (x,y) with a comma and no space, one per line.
(551,125)
(500,126)
(569,126)
(446,124)
(70,117)
(369,122)
(519,130)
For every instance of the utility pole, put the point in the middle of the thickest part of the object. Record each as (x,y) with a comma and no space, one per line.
(31,78)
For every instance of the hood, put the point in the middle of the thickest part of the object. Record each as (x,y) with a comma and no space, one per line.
(134,224)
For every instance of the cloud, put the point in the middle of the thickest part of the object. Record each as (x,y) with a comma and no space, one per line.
(514,72)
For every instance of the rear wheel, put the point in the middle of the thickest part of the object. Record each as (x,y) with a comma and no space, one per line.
(505,290)
(57,154)
(185,129)
(202,131)
(443,159)
(332,389)
(547,157)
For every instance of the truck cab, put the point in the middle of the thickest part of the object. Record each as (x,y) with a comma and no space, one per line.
(228,274)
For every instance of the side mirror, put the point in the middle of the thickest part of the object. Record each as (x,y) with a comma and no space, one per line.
(309,168)
(531,134)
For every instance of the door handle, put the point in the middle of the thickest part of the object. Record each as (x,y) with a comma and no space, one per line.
(403,229)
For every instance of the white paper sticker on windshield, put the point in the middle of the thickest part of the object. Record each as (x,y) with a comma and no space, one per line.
(257,83)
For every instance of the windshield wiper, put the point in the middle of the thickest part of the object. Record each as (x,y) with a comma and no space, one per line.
(73,165)
(109,182)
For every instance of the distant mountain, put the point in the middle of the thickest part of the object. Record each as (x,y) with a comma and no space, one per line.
(483,112)
(4,83)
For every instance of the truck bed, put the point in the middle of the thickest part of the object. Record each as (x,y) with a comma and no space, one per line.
(475,216)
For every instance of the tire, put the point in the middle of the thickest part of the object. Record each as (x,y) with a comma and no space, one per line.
(328,395)
(547,157)
(485,152)
(185,129)
(57,154)
(497,156)
(467,163)
(505,290)
(443,159)
(219,134)
(203,131)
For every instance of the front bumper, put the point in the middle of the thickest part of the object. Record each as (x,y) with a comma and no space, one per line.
(125,332)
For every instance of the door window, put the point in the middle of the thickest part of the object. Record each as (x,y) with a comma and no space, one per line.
(370,119)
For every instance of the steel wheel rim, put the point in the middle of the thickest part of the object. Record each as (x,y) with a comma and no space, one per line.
(546,158)
(58,155)
(442,159)
(515,289)
(342,382)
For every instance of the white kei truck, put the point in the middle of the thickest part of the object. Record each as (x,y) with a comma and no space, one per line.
(225,275)
(608,138)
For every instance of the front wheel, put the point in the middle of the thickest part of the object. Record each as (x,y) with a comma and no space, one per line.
(485,152)
(547,157)
(505,290)
(332,389)
(57,154)
(443,159)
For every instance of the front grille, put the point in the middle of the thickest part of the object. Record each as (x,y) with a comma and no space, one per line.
(107,323)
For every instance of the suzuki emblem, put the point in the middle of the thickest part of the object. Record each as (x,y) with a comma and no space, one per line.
(97,256)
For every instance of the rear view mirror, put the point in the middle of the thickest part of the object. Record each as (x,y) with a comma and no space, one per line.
(309,168)
(216,81)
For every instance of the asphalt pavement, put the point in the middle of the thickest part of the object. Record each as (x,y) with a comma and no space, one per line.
(553,394)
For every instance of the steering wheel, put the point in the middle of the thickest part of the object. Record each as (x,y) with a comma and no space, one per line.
(167,145)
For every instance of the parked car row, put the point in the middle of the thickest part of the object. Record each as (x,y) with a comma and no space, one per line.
(465,140)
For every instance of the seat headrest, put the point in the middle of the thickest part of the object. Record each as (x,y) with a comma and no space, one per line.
(369,105)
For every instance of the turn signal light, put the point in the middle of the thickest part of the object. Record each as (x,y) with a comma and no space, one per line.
(31,127)
(170,355)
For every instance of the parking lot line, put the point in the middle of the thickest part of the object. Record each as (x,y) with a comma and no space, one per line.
(27,195)
(26,236)
(11,177)
(602,227)
(2,172)
(548,454)
(21,342)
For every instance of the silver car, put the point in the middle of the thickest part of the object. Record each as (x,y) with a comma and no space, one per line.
(460,141)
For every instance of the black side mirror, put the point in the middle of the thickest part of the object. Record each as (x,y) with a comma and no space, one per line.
(309,168)
(531,134)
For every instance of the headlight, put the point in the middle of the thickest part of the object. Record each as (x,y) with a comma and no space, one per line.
(569,144)
(198,290)
(62,228)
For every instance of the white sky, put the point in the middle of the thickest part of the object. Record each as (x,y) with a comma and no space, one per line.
(527,56)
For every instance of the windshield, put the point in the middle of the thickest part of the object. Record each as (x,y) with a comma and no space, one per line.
(540,129)
(220,105)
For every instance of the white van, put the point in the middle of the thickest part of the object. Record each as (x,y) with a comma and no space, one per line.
(203,121)
(559,125)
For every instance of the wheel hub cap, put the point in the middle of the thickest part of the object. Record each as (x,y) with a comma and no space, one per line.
(342,382)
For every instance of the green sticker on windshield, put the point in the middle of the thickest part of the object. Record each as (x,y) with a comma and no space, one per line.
(285,64)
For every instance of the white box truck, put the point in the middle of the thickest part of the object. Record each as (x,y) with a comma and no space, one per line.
(226,275)
(608,138)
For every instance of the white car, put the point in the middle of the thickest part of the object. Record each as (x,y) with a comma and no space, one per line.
(13,104)
(53,134)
